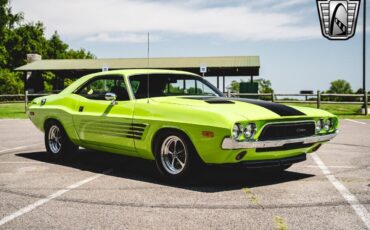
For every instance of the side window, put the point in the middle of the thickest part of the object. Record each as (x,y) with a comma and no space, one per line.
(188,87)
(135,85)
(175,88)
(97,88)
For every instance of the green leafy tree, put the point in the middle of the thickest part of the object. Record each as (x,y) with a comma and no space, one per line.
(79,54)
(18,38)
(234,86)
(49,78)
(28,38)
(8,21)
(264,86)
(10,82)
(340,87)
(193,91)
(57,49)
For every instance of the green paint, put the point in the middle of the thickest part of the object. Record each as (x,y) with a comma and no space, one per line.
(129,127)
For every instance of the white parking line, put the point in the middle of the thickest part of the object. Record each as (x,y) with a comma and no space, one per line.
(18,148)
(12,119)
(347,195)
(50,197)
(354,121)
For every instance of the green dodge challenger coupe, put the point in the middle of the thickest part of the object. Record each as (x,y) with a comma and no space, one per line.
(177,119)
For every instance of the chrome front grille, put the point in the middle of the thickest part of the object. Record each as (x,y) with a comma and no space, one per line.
(280,131)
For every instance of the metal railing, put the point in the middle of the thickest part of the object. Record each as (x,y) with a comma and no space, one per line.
(8,98)
(14,98)
(318,98)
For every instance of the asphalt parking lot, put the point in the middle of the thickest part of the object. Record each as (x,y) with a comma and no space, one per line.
(331,190)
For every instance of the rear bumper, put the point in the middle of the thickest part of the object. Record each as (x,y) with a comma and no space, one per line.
(229,143)
(267,163)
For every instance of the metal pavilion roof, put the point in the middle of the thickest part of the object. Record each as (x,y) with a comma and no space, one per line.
(216,66)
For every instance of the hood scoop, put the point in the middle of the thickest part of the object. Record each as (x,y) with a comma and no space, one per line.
(218,101)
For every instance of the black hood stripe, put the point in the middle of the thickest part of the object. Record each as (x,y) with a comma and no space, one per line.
(281,110)
(277,108)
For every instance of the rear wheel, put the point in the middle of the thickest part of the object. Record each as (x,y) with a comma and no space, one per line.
(57,143)
(175,155)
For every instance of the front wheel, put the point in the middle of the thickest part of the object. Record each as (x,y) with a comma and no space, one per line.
(57,143)
(175,155)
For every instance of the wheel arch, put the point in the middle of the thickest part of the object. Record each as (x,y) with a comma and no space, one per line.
(51,119)
(164,130)
(72,135)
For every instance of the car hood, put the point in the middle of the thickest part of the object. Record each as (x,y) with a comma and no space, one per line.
(243,108)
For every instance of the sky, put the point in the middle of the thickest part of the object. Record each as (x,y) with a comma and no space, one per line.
(286,35)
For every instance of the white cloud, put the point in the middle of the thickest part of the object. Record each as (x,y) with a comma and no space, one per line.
(97,20)
(124,38)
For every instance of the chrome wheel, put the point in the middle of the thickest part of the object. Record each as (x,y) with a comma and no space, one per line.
(55,139)
(174,155)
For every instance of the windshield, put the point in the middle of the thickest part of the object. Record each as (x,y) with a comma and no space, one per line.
(163,85)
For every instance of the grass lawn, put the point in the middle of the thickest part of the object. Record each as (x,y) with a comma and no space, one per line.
(16,110)
(341,110)
(12,110)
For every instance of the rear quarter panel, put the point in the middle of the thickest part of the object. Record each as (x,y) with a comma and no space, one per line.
(58,107)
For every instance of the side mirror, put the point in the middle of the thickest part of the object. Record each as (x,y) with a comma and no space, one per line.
(111,97)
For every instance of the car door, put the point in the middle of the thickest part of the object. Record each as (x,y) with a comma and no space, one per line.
(101,122)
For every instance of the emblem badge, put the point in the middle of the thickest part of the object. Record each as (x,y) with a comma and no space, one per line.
(338,18)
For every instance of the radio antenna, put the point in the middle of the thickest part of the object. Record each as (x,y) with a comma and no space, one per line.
(148,69)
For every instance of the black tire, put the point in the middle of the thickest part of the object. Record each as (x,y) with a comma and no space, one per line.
(189,158)
(57,146)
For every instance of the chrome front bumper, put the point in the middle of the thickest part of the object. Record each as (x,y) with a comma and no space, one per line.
(229,143)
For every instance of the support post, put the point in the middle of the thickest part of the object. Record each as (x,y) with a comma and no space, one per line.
(366,103)
(25,79)
(223,85)
(364,58)
(218,82)
(272,96)
(25,101)
(252,79)
(318,99)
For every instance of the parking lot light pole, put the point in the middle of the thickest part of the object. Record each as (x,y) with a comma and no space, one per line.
(364,60)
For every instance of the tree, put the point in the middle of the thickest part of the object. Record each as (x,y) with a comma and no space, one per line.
(57,49)
(234,86)
(265,86)
(24,39)
(340,87)
(10,82)
(7,22)
(18,38)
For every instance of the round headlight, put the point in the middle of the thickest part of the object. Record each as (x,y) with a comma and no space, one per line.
(319,125)
(250,130)
(329,124)
(237,131)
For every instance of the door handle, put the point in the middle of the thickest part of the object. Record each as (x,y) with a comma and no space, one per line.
(81,109)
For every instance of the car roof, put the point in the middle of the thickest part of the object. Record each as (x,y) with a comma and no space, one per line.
(125,72)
